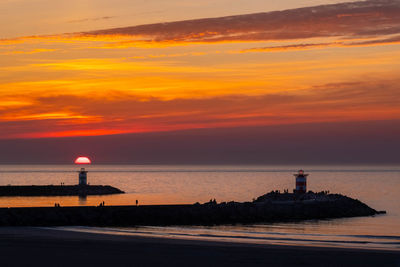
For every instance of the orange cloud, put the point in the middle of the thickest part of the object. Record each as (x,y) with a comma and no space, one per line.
(42,50)
(95,132)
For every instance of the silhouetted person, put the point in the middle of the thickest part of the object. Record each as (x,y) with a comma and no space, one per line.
(137,202)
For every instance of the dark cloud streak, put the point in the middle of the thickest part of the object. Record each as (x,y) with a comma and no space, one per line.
(91,19)
(364,18)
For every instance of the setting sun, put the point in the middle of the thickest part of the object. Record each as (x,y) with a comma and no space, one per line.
(83,160)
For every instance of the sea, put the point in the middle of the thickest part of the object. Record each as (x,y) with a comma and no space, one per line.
(377,186)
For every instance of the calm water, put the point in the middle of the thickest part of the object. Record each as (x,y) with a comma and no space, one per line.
(377,186)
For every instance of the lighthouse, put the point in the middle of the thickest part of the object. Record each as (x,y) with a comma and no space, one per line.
(83,172)
(301,182)
(83,176)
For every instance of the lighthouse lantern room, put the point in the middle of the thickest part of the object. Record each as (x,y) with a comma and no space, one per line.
(301,182)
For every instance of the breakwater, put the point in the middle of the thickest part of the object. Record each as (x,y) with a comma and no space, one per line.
(272,207)
(58,190)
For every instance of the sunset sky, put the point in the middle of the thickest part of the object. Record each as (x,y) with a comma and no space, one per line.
(88,68)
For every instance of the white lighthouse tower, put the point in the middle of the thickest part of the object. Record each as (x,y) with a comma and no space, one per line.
(301,182)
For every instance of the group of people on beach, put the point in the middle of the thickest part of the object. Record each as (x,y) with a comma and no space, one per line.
(102,204)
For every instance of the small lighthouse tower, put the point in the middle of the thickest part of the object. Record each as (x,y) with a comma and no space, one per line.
(82,172)
(301,182)
(83,176)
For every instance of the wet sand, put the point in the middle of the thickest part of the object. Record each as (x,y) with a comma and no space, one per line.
(29,246)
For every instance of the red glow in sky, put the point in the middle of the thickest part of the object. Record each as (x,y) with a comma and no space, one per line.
(82,160)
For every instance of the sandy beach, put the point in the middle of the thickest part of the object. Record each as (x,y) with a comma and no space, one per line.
(29,246)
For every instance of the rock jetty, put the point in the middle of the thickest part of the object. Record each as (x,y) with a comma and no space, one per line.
(272,207)
(58,190)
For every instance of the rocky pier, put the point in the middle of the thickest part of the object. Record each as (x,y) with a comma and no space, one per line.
(58,190)
(272,207)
